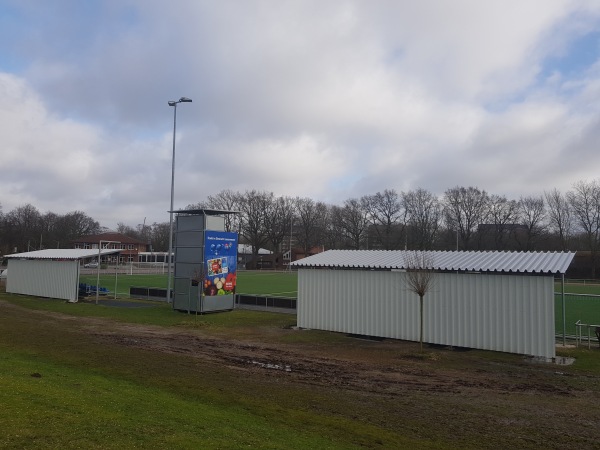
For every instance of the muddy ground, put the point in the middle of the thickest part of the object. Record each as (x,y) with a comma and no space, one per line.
(477,392)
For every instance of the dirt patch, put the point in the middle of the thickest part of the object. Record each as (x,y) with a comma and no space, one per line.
(389,367)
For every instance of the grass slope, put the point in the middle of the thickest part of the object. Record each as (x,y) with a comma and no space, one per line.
(63,387)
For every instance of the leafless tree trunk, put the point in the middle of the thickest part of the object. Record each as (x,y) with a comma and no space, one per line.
(225,200)
(311,223)
(351,222)
(503,214)
(253,206)
(465,209)
(419,279)
(559,216)
(387,216)
(585,203)
(424,214)
(533,213)
(278,219)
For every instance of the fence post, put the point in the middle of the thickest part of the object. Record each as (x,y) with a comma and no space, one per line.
(564,314)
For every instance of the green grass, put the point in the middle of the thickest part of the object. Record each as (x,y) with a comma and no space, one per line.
(584,309)
(592,288)
(153,313)
(577,308)
(283,284)
(60,389)
(65,386)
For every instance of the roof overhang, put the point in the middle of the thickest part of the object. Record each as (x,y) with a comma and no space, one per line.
(62,254)
(471,261)
(205,211)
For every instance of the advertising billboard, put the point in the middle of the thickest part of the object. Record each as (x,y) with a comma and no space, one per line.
(220,263)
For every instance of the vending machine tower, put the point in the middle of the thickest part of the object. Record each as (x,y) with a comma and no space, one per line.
(205,261)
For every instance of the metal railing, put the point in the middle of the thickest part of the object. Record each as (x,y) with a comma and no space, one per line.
(579,335)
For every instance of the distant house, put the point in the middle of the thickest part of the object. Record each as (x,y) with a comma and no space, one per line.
(130,247)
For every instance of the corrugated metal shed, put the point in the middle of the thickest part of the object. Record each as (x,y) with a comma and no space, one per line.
(470,261)
(501,301)
(62,254)
(52,273)
(502,312)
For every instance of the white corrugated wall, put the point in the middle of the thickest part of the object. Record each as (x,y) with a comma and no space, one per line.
(44,278)
(509,313)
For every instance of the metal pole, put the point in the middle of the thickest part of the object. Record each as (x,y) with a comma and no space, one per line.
(564,315)
(98,271)
(291,233)
(169,256)
(174,105)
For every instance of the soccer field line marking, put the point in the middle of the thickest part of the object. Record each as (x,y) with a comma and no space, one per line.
(279,293)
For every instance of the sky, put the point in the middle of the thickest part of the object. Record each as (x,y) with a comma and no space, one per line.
(327,100)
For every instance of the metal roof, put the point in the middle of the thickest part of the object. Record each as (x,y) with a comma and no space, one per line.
(205,211)
(469,261)
(62,253)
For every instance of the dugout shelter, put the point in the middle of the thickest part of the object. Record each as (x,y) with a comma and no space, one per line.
(501,301)
(52,273)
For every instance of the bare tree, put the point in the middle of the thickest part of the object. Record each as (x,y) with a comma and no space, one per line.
(128,230)
(585,203)
(419,279)
(559,216)
(23,227)
(230,201)
(465,209)
(225,200)
(310,224)
(253,206)
(387,217)
(424,214)
(278,221)
(503,217)
(350,221)
(532,211)
(160,237)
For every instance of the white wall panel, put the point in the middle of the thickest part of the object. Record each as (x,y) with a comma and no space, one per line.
(44,278)
(509,313)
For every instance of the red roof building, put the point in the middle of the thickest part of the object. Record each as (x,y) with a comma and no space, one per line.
(129,246)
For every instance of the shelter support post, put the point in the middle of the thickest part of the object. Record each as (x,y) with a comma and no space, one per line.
(564,315)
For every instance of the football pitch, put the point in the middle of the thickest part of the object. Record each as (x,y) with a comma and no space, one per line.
(285,284)
(273,284)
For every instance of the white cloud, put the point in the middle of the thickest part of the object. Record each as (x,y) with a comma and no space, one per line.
(355,98)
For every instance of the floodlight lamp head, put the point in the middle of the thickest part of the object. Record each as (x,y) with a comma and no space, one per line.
(185,100)
(172,103)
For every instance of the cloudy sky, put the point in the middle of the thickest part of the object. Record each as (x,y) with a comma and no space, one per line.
(322,99)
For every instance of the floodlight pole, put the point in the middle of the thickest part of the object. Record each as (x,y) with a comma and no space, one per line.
(170,255)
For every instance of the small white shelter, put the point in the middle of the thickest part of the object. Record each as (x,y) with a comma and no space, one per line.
(501,301)
(52,273)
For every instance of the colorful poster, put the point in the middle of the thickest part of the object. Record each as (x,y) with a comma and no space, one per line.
(220,262)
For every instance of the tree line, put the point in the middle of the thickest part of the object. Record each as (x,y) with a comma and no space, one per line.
(463,218)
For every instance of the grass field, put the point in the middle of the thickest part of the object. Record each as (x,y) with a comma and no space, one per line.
(285,284)
(69,381)
(282,284)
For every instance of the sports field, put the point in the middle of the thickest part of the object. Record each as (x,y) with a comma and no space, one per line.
(584,308)
(275,284)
